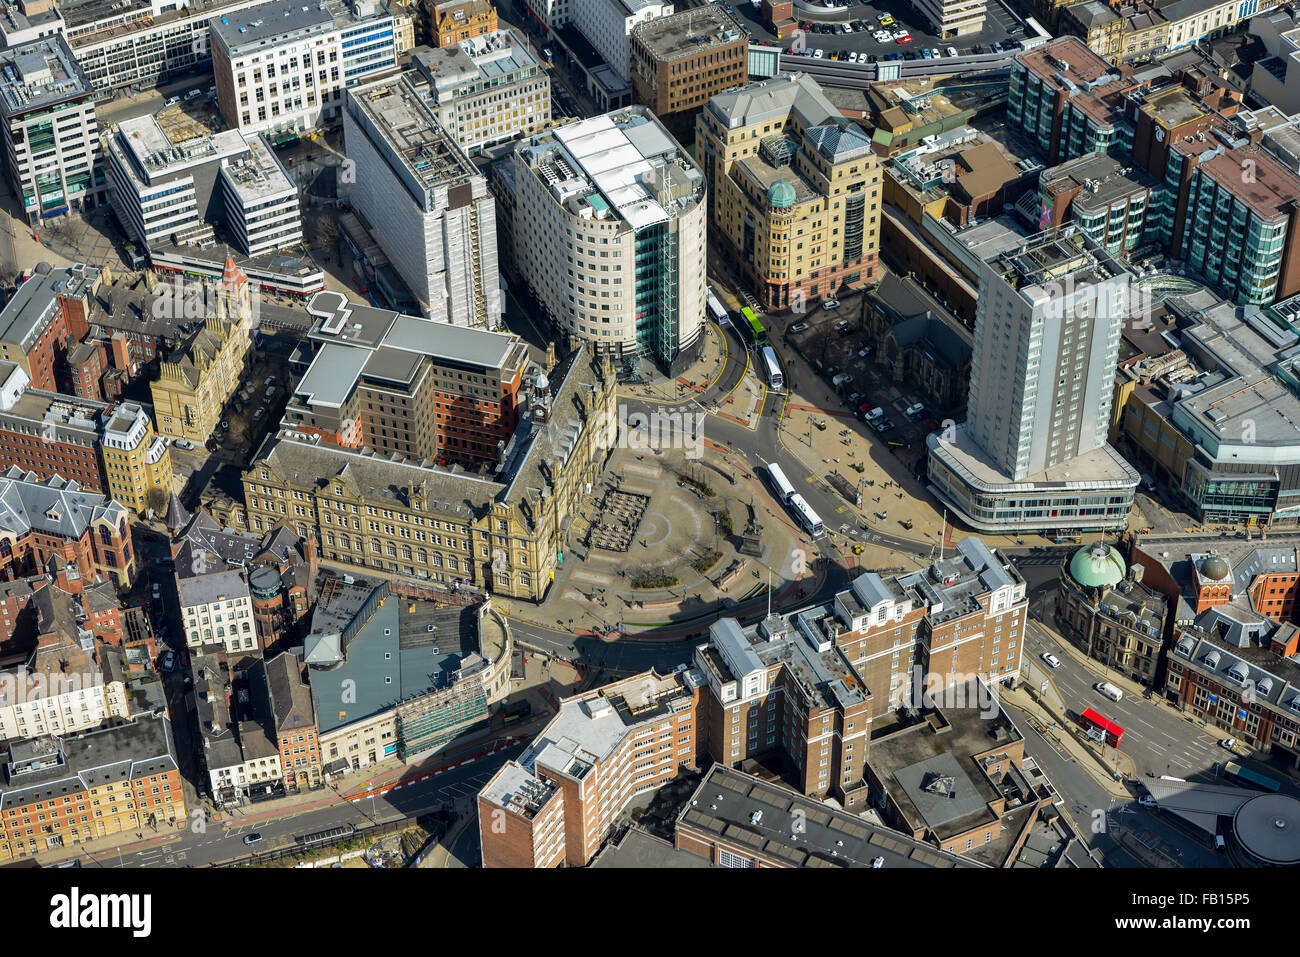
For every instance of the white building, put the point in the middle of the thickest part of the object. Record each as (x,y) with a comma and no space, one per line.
(1033,452)
(216,607)
(168,192)
(51,139)
(261,201)
(486,90)
(426,203)
(607,25)
(22,21)
(609,229)
(287,65)
(953,18)
(46,700)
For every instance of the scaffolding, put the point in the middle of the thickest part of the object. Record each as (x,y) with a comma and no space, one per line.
(430,720)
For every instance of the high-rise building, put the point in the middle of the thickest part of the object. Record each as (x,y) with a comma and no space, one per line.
(287,65)
(611,213)
(953,18)
(261,201)
(678,63)
(486,90)
(1033,454)
(428,205)
(407,386)
(137,461)
(51,139)
(794,190)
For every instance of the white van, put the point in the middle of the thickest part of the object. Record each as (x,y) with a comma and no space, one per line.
(840,379)
(875,413)
(914,410)
(1109,690)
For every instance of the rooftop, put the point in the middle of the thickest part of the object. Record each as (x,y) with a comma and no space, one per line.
(474,64)
(685,34)
(776,98)
(270,24)
(38,75)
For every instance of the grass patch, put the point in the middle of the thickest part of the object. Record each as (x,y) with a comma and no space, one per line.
(654,581)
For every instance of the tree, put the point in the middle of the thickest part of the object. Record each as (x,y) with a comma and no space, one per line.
(156,499)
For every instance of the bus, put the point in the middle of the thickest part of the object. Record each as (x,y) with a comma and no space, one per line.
(807,517)
(719,314)
(1102,728)
(755,328)
(1233,769)
(774,377)
(780,484)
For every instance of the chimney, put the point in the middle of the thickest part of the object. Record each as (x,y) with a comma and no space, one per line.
(121,356)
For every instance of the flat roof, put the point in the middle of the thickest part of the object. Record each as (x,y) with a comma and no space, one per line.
(690,32)
(278,20)
(36,75)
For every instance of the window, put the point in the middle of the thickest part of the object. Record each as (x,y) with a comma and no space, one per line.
(728,859)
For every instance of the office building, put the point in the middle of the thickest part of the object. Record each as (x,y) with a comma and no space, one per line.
(794,190)
(1033,454)
(216,609)
(953,18)
(429,205)
(607,25)
(554,805)
(22,21)
(405,385)
(285,65)
(486,90)
(90,785)
(261,201)
(137,461)
(56,518)
(677,63)
(425,521)
(51,138)
(49,433)
(611,211)
(1107,203)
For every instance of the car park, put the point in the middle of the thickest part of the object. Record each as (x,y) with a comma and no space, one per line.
(1051,659)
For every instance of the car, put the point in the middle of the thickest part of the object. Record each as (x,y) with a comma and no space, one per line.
(997,47)
(883,425)
(1051,659)
(253,838)
(915,412)
(798,327)
(1235,746)
(878,862)
(818,55)
(848,28)
(952,51)
(977,49)
(935,54)
(872,58)
(1147,800)
(925,54)
(169,661)
(891,57)
(905,38)
(911,55)
(157,591)
(885,19)
(185,444)
(258,414)
(1108,690)
(841,379)
(864,352)
(270,393)
(193,94)
(172,101)
(185,656)
(269,381)
(842,326)
(830,304)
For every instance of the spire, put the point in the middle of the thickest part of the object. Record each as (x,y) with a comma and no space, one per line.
(177,518)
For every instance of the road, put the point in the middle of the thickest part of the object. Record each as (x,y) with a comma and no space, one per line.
(224,841)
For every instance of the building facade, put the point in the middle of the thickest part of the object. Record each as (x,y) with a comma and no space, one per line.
(617,248)
(49,433)
(430,206)
(137,461)
(51,138)
(794,191)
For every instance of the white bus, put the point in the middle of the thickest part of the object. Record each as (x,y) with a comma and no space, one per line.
(807,517)
(720,315)
(774,377)
(780,484)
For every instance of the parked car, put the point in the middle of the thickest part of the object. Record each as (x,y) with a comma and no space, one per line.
(185,444)
(798,327)
(157,591)
(185,656)
(878,862)
(258,414)
(1051,659)
(225,426)
(169,661)
(915,412)
(952,51)
(830,304)
(253,838)
(840,379)
(1235,746)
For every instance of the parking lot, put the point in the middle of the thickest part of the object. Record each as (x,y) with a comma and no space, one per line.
(1000,26)
(252,411)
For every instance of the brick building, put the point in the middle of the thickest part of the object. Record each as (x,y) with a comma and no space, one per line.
(60,791)
(283,702)
(40,520)
(49,433)
(46,316)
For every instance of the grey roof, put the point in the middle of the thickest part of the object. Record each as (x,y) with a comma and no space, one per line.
(775,98)
(46,72)
(214,586)
(267,21)
(925,784)
(290,698)
(839,141)
(798,830)
(210,701)
(121,753)
(731,641)
(36,301)
(871,589)
(56,507)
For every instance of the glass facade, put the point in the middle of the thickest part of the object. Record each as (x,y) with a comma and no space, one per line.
(655,253)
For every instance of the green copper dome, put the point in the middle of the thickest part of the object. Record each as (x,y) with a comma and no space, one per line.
(780,195)
(1097,566)
(1215,568)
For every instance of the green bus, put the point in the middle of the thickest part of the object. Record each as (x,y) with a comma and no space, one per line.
(756,330)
